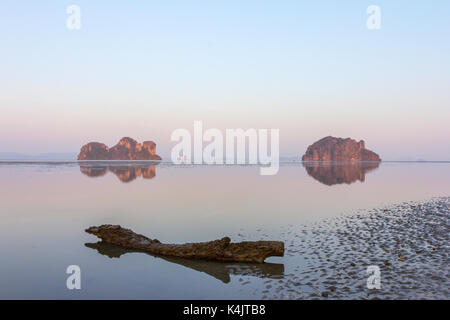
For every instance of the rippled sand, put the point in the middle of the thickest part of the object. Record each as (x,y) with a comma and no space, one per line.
(409,242)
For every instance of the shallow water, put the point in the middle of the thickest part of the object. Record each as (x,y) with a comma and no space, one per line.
(45,208)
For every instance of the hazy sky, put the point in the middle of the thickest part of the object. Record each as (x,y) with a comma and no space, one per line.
(144,68)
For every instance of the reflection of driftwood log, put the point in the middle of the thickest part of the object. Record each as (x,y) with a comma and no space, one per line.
(220,250)
(218,270)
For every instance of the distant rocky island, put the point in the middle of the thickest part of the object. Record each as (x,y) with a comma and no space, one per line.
(339,149)
(125,149)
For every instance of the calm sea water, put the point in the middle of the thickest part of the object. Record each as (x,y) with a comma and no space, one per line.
(45,208)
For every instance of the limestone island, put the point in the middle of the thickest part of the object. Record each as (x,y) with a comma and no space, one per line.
(125,149)
(339,149)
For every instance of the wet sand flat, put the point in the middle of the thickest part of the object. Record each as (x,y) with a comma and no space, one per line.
(329,259)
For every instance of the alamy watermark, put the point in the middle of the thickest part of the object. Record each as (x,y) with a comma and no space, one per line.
(231,151)
(73,21)
(374,20)
(374,279)
(74,280)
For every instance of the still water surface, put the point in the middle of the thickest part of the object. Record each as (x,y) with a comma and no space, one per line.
(45,208)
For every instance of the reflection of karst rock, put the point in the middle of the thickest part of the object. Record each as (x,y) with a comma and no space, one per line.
(94,171)
(125,149)
(331,173)
(148,173)
(126,173)
(338,149)
(219,270)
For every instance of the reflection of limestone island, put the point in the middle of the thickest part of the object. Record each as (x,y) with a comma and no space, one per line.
(338,149)
(219,250)
(331,173)
(125,173)
(126,149)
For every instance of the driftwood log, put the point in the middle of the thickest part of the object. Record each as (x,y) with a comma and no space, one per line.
(219,250)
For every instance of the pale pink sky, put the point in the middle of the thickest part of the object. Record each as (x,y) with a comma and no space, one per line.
(310,69)
(396,128)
